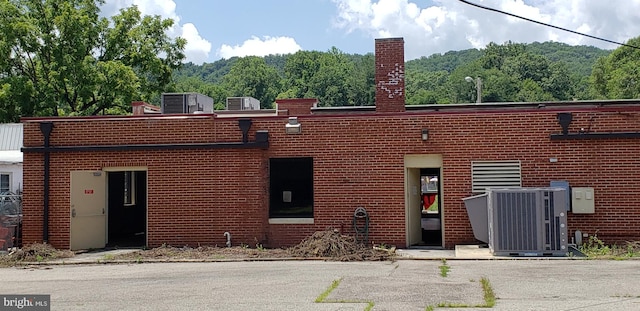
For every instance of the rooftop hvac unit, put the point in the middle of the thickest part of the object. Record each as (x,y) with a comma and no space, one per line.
(527,221)
(242,103)
(186,103)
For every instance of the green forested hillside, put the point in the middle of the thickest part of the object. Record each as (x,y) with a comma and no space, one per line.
(448,61)
(579,58)
(548,71)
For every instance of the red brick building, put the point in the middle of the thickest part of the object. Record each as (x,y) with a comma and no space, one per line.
(188,179)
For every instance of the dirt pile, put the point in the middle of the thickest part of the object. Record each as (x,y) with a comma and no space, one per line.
(335,246)
(204,252)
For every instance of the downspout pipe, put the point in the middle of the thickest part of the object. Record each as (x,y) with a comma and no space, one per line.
(46,128)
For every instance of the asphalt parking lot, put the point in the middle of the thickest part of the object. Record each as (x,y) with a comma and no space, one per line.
(535,284)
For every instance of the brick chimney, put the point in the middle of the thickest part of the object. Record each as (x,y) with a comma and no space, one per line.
(390,75)
(141,108)
(296,106)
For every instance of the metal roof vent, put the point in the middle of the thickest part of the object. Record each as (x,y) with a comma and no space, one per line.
(242,103)
(186,103)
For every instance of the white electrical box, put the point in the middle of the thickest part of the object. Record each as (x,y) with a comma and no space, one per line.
(582,200)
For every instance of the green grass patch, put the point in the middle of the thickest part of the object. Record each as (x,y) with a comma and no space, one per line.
(597,249)
(369,306)
(328,291)
(444,268)
(489,295)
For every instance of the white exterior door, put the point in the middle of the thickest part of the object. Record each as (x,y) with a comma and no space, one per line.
(88,204)
(414,231)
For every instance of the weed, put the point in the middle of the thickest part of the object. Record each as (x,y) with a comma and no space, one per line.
(108,257)
(444,268)
(369,306)
(429,308)
(259,245)
(489,295)
(596,248)
(328,291)
(334,285)
(39,258)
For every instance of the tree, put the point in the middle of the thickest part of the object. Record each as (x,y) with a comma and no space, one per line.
(559,82)
(361,82)
(251,76)
(494,55)
(59,57)
(426,87)
(330,83)
(327,76)
(530,91)
(197,85)
(617,76)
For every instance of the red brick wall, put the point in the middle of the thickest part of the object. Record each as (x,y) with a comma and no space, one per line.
(197,195)
(389,75)
(138,108)
(296,106)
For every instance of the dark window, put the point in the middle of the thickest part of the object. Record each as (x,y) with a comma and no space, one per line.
(291,188)
(5,181)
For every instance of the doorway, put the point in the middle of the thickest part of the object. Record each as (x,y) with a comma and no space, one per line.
(430,216)
(424,201)
(127,208)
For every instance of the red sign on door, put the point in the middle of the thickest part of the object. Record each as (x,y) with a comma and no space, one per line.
(88,191)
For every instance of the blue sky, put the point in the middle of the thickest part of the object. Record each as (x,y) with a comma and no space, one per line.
(218,29)
(309,22)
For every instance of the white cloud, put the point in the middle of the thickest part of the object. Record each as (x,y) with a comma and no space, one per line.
(260,47)
(197,49)
(452,25)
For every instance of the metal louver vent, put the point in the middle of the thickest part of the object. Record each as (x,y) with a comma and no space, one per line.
(173,103)
(234,103)
(494,174)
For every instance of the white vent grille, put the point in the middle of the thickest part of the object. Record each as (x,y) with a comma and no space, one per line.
(494,174)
